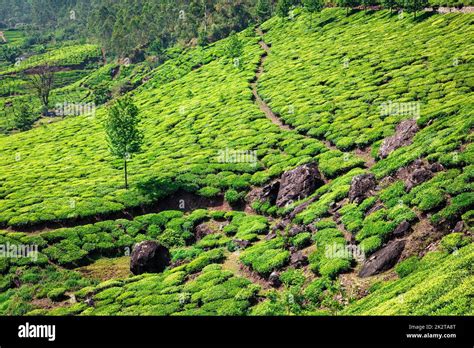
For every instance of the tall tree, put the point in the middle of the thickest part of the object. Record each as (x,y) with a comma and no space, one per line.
(283,8)
(233,47)
(389,4)
(123,135)
(41,82)
(348,4)
(313,6)
(414,6)
(263,10)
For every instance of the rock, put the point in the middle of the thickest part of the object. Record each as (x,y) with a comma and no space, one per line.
(281,225)
(294,230)
(242,244)
(90,302)
(418,163)
(401,229)
(459,226)
(361,187)
(149,257)
(374,209)
(298,183)
(202,230)
(270,236)
(274,279)
(383,259)
(419,176)
(312,228)
(436,167)
(114,71)
(297,259)
(403,136)
(267,193)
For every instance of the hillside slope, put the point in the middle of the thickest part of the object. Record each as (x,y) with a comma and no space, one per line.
(376,108)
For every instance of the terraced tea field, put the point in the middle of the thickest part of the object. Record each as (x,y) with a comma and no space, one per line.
(327,169)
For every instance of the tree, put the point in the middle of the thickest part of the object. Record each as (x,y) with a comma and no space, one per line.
(283,8)
(41,82)
(414,5)
(389,4)
(313,6)
(9,53)
(123,135)
(262,10)
(234,47)
(348,4)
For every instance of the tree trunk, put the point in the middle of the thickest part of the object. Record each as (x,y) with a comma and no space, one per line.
(125,171)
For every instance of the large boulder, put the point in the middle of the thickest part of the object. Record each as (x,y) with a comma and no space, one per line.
(403,136)
(267,193)
(298,183)
(383,259)
(149,257)
(361,187)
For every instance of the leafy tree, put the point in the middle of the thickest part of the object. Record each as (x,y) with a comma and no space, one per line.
(348,4)
(262,10)
(283,8)
(23,118)
(234,46)
(41,81)
(414,5)
(9,53)
(313,6)
(123,135)
(389,4)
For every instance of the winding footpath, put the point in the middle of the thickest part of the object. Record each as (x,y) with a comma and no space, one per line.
(275,119)
(258,100)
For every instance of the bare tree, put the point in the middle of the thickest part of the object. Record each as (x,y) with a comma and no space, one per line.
(41,81)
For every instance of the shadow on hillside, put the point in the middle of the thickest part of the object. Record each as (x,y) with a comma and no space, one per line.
(420,17)
(326,22)
(156,188)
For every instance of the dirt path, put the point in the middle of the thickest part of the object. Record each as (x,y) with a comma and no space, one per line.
(275,119)
(258,100)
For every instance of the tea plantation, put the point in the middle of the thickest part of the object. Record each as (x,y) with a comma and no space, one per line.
(365,233)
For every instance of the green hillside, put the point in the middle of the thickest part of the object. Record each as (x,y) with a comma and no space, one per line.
(317,90)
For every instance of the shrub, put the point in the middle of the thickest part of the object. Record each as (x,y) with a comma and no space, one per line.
(232,196)
(407,266)
(301,240)
(293,277)
(314,291)
(332,267)
(370,244)
(209,192)
(429,199)
(454,241)
(57,294)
